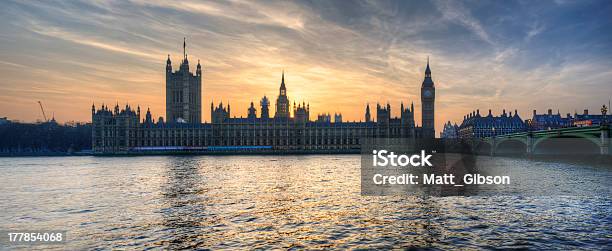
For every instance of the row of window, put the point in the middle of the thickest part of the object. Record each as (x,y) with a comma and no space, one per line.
(262,133)
(112,132)
(226,142)
(248,142)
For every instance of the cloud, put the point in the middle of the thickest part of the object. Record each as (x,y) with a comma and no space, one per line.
(505,54)
(243,11)
(12,64)
(534,31)
(60,33)
(456,12)
(337,55)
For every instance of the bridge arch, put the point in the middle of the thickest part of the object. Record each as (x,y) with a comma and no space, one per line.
(511,146)
(482,147)
(572,144)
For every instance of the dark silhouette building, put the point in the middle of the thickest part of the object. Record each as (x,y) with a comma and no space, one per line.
(428,98)
(265,107)
(450,131)
(282,102)
(549,121)
(183,92)
(476,126)
(123,131)
(586,119)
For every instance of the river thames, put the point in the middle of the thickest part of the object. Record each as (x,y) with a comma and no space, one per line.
(311,201)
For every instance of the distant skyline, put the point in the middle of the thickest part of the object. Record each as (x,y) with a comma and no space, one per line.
(337,55)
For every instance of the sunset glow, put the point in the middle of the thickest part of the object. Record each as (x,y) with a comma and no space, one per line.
(337,56)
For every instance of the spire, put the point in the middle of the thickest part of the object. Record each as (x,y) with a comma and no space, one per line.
(427,70)
(199,69)
(427,81)
(368,117)
(184,47)
(282,87)
(168,65)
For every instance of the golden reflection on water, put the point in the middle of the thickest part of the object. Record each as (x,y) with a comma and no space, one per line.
(246,202)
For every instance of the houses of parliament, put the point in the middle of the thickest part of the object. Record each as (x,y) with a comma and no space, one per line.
(290,129)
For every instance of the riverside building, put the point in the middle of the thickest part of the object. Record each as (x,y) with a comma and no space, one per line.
(124,130)
(476,126)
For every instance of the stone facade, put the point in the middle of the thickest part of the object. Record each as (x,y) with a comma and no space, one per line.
(123,131)
(120,131)
(115,130)
(183,92)
(428,98)
(586,119)
(476,126)
(450,131)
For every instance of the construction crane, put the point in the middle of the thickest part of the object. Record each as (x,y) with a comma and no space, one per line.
(43,111)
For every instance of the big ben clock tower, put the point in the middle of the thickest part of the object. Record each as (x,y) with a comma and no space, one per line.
(428,97)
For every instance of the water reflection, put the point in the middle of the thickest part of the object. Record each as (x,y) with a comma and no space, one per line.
(289,202)
(183,210)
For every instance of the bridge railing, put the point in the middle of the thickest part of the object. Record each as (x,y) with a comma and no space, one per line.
(545,132)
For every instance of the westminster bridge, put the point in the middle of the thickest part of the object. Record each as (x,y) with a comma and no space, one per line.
(574,140)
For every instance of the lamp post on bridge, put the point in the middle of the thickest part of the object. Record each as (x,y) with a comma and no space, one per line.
(605,132)
(604,113)
(493,145)
(530,140)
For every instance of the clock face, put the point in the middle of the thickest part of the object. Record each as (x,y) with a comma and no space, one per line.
(427,94)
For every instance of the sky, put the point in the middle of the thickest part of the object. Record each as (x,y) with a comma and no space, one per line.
(337,56)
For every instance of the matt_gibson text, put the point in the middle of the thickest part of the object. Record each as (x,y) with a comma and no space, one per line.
(440,179)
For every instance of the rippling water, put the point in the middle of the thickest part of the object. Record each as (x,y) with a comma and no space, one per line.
(239,202)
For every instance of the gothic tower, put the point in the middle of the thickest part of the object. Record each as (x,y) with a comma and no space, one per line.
(282,102)
(428,97)
(252,111)
(183,92)
(265,103)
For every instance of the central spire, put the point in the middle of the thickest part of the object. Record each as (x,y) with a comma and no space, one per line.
(184,47)
(283,81)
